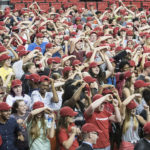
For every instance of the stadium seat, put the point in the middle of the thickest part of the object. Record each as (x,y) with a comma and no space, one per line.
(91,3)
(74,1)
(80,5)
(39,0)
(102,5)
(146,5)
(27,1)
(137,4)
(127,3)
(50,0)
(56,5)
(44,6)
(63,1)
(19,6)
(15,1)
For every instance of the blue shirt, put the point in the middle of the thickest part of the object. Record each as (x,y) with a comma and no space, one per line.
(88,143)
(57,54)
(8,132)
(111,81)
(32,46)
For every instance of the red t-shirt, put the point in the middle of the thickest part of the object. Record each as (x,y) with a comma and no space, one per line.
(101,120)
(64,135)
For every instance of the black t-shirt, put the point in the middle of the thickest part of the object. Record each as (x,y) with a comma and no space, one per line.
(143,144)
(45,72)
(144,114)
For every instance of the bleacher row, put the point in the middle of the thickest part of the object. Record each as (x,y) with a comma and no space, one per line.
(46,4)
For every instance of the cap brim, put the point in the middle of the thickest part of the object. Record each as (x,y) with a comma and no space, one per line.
(74,114)
(147,84)
(16,85)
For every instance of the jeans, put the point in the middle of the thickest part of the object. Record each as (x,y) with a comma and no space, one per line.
(106,148)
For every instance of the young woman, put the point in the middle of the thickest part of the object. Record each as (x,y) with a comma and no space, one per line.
(96,72)
(6,71)
(39,128)
(16,93)
(67,130)
(130,122)
(129,86)
(19,112)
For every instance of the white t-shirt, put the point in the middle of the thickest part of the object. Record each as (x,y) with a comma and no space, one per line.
(17,68)
(47,100)
(10,99)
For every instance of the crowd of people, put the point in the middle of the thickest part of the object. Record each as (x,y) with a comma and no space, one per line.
(75,78)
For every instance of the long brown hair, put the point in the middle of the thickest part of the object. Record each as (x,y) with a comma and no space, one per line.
(63,123)
(35,129)
(127,122)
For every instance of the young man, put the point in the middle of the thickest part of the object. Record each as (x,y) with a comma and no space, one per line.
(90,135)
(97,115)
(9,129)
(39,43)
(49,98)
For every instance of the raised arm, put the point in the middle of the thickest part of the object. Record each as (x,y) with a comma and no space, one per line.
(89,111)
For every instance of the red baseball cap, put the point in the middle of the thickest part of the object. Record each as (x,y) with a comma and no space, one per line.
(39,35)
(4,57)
(89,54)
(127,74)
(67,111)
(34,77)
(56,60)
(76,62)
(88,24)
(49,61)
(2,49)
(20,48)
(66,38)
(38,48)
(89,79)
(89,18)
(66,69)
(73,33)
(42,28)
(79,27)
(37,105)
(132,105)
(132,63)
(78,18)
(146,128)
(4,106)
(141,83)
(119,48)
(49,45)
(89,127)
(44,78)
(23,53)
(147,64)
(129,33)
(96,97)
(93,64)
(15,83)
(107,91)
